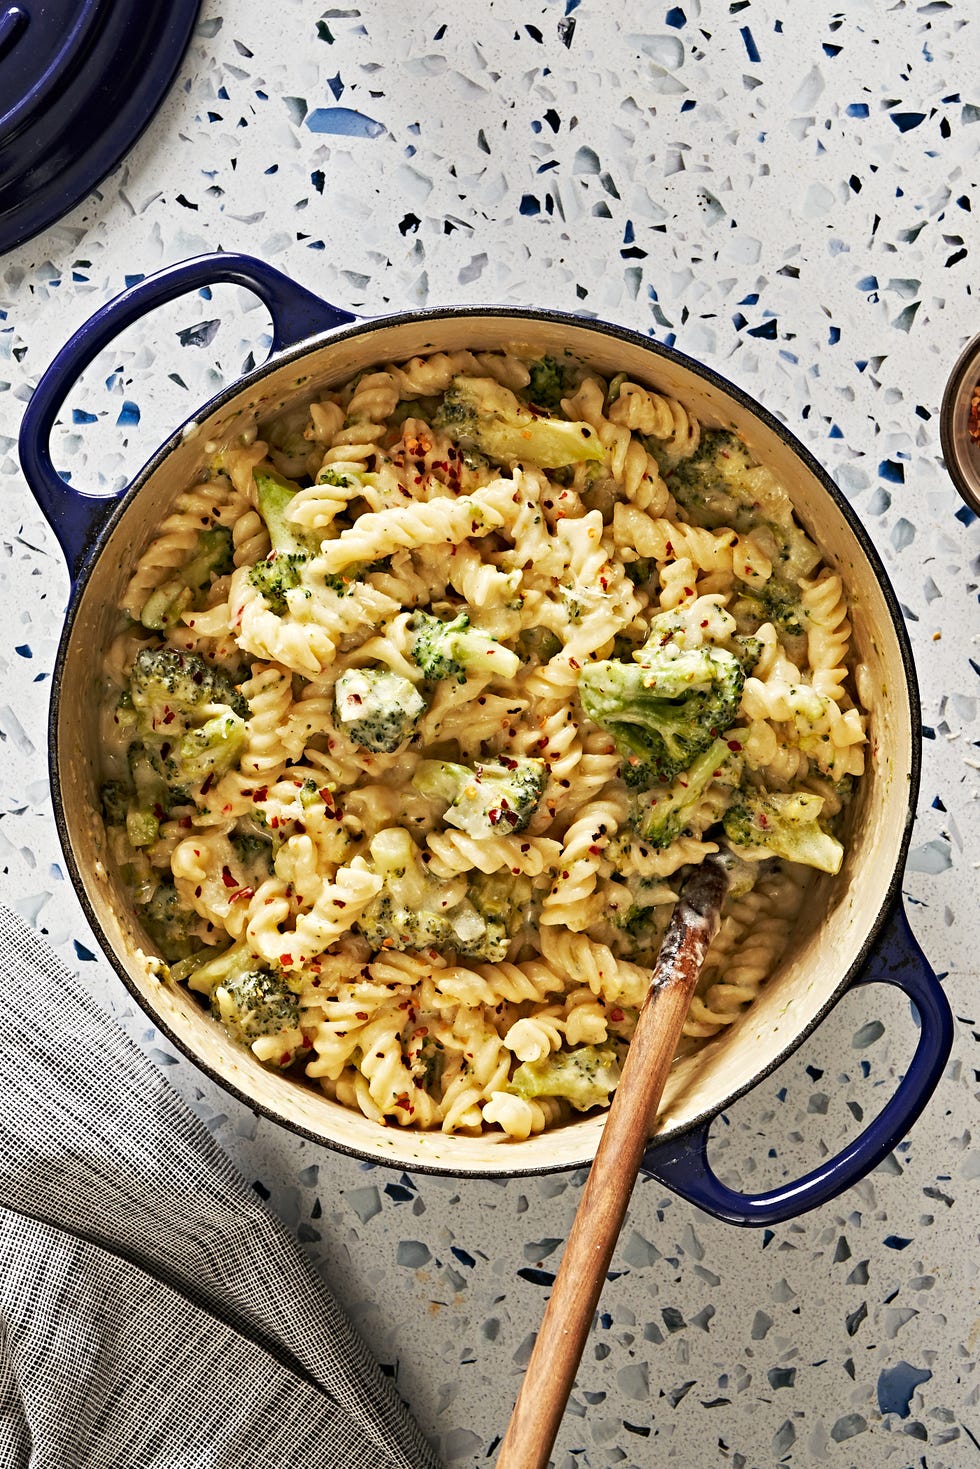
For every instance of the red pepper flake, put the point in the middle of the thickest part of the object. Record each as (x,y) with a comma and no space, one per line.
(734,745)
(227,878)
(286,961)
(616,1015)
(360,1014)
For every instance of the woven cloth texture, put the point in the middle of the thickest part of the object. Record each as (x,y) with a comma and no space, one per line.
(154,1313)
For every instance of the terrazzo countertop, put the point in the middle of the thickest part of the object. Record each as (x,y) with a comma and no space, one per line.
(788,194)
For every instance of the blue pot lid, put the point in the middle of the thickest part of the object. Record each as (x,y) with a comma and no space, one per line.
(79,81)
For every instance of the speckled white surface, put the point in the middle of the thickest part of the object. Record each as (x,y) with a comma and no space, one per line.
(789,194)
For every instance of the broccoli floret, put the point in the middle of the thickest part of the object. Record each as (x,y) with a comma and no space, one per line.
(641,570)
(387,925)
(719,485)
(191,719)
(208,749)
(748,651)
(415,910)
(254,853)
(453,649)
(410,911)
(504,902)
(377,709)
(665,708)
(166,684)
(213,557)
(292,547)
(778,602)
(114,798)
(256,1004)
(277,575)
(663,813)
(584,1076)
(493,797)
(547,385)
(786,824)
(169,923)
(478,413)
(424,408)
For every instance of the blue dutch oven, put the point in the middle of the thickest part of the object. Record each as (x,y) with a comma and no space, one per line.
(854,932)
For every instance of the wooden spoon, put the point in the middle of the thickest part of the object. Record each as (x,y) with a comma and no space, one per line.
(599,1218)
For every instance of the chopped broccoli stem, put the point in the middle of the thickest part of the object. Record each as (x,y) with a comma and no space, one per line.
(213,557)
(492,797)
(454,649)
(585,1076)
(665,708)
(786,824)
(275,493)
(150,790)
(480,414)
(665,812)
(377,709)
(142,827)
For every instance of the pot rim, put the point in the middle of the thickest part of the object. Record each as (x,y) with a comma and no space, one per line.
(362,326)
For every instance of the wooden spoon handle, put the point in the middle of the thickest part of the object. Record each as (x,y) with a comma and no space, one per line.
(568,1316)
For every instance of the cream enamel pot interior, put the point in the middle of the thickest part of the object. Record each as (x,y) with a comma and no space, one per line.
(854,931)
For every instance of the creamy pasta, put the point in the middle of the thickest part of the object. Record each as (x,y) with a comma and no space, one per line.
(425,700)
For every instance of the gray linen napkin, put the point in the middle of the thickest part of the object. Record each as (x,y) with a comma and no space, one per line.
(154,1314)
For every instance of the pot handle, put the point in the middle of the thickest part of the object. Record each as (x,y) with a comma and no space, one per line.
(895,959)
(75,515)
